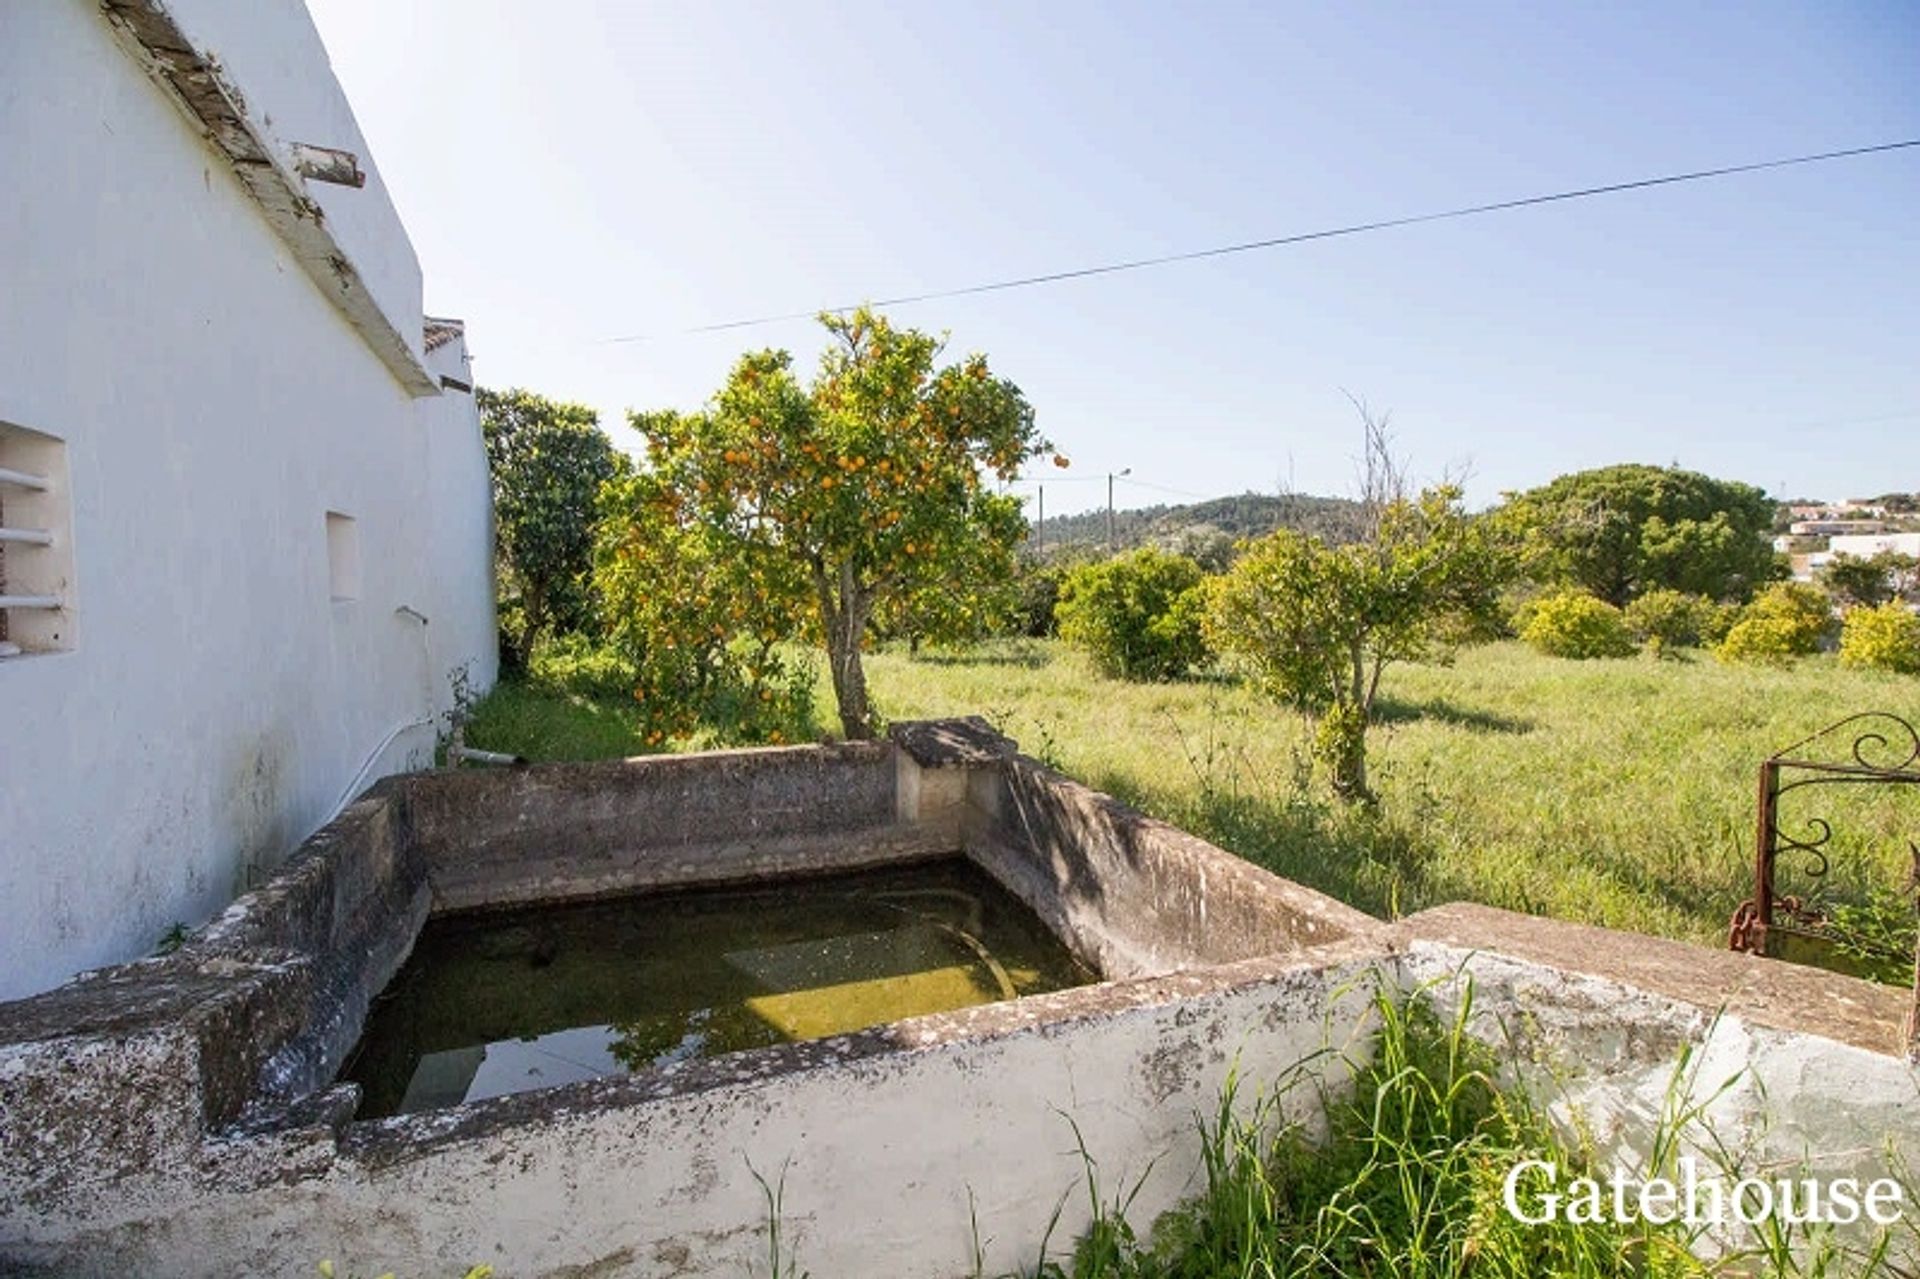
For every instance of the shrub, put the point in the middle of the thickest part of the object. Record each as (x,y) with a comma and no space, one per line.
(1871,581)
(1785,621)
(1878,932)
(575,664)
(1886,638)
(546,459)
(1039,587)
(1666,619)
(1720,623)
(1575,624)
(1516,606)
(1137,615)
(1758,641)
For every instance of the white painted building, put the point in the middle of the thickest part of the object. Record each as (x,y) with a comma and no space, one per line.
(252,528)
(1866,546)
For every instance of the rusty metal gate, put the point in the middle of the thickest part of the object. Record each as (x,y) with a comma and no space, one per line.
(1873,749)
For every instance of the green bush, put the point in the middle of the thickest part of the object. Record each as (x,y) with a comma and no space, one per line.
(1137,615)
(1575,624)
(572,663)
(1785,621)
(1517,602)
(1675,619)
(1886,638)
(1878,932)
(1039,587)
(1758,641)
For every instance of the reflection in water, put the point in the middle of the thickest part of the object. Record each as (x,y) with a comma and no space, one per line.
(498,1003)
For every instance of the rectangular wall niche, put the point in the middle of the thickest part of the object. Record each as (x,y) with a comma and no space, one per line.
(36,544)
(343,557)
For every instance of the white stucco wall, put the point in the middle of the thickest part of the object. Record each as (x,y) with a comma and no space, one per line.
(271,51)
(460,532)
(1867,545)
(215,406)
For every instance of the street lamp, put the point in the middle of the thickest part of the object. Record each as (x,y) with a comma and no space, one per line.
(1111,475)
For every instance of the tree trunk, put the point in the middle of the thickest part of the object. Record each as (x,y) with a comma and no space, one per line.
(843,616)
(533,619)
(1340,735)
(1340,742)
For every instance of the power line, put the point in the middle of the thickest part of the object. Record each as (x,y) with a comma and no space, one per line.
(1163,488)
(1249,246)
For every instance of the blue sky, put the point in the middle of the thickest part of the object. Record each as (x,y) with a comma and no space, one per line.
(573,172)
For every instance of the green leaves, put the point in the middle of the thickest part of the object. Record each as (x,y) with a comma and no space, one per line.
(1785,621)
(1885,637)
(1576,625)
(856,497)
(1316,624)
(1872,580)
(547,460)
(1137,615)
(1619,531)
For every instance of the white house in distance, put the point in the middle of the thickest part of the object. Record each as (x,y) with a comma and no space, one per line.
(1866,546)
(248,527)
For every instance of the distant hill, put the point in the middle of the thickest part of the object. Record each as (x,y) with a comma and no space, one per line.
(1203,529)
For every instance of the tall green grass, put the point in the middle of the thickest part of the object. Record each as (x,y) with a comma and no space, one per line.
(1618,793)
(1408,1182)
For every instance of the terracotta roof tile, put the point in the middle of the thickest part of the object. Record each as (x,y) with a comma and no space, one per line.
(440,332)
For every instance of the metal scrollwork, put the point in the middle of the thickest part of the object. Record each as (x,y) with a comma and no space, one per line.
(1816,864)
(1891,730)
(1884,750)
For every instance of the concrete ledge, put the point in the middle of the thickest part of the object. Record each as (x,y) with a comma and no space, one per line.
(1761,992)
(195,82)
(1635,1044)
(890,1141)
(952,743)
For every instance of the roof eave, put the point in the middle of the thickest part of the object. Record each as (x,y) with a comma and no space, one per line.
(194,82)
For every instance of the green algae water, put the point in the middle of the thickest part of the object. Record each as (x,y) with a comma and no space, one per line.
(497,1003)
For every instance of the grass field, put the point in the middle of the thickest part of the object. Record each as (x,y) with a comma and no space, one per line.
(1617,792)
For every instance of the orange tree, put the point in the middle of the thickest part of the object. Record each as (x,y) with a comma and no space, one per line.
(790,509)
(973,599)
(700,624)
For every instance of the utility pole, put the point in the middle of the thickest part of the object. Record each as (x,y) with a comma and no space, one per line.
(1112,545)
(1040,526)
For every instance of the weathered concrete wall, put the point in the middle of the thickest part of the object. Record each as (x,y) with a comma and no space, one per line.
(126,1069)
(882,1137)
(214,406)
(244,1160)
(1130,895)
(1798,1071)
(345,909)
(174,1116)
(560,831)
